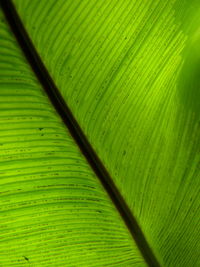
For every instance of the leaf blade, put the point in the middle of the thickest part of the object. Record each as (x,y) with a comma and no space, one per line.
(118,65)
(53,209)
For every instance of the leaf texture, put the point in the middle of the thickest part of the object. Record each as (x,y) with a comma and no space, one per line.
(54,211)
(129,70)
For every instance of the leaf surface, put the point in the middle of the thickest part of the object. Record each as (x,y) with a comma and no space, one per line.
(54,211)
(129,71)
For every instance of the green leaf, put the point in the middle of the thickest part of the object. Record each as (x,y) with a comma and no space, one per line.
(54,211)
(129,71)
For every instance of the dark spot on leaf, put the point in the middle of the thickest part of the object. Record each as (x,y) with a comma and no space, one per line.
(40,129)
(27,259)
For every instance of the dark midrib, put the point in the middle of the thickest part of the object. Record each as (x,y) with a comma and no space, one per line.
(75,130)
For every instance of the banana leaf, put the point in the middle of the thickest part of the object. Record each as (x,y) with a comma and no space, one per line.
(128,74)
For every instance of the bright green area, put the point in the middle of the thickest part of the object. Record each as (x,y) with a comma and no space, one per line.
(53,210)
(130,72)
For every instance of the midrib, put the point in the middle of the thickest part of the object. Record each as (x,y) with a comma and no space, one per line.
(76,131)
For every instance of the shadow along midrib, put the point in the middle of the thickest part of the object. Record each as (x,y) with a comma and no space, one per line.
(76,131)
